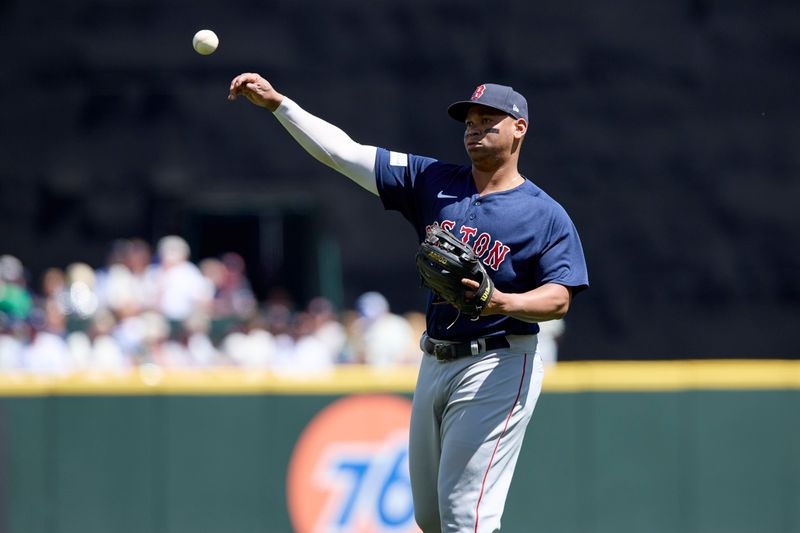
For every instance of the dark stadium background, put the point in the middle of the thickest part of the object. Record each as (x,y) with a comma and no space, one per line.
(668,130)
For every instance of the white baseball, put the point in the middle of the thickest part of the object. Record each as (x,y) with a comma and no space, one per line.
(205,42)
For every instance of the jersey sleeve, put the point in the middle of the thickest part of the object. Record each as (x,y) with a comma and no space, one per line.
(396,175)
(562,260)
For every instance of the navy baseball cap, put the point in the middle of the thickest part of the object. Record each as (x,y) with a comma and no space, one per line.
(500,97)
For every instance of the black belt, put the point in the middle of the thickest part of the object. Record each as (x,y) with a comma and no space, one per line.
(453,350)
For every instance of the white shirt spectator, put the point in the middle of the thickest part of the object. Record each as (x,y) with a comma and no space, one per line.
(311,355)
(119,288)
(386,341)
(130,334)
(107,355)
(385,336)
(80,349)
(250,350)
(183,287)
(201,350)
(48,353)
(549,333)
(10,353)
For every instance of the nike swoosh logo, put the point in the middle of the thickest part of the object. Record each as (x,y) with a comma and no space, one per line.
(443,195)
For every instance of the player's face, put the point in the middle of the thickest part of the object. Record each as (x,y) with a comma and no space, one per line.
(491,135)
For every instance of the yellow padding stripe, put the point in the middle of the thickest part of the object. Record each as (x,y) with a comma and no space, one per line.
(220,381)
(608,376)
(673,375)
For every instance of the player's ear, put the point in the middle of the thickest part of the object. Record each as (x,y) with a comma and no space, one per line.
(520,128)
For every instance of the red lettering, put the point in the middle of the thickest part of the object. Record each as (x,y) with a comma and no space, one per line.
(497,255)
(467,233)
(496,252)
(481,244)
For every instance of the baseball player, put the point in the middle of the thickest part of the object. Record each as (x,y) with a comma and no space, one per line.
(479,379)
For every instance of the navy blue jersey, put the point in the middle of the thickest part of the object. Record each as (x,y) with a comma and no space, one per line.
(524,237)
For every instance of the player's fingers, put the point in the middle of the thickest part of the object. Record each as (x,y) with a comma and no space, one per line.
(237,82)
(233,89)
(471,283)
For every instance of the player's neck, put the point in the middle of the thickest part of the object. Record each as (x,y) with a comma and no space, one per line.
(489,180)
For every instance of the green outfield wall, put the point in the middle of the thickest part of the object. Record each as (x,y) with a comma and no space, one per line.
(698,447)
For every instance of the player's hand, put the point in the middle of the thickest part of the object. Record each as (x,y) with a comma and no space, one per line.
(256,89)
(494,305)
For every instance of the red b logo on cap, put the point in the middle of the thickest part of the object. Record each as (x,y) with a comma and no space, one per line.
(478,92)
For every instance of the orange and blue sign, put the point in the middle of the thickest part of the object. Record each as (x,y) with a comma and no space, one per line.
(349,469)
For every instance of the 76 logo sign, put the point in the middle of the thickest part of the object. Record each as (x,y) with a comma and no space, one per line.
(368,486)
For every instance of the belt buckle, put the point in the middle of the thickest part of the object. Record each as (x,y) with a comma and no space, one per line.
(475,347)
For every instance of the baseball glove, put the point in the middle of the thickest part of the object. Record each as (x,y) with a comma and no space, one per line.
(442,261)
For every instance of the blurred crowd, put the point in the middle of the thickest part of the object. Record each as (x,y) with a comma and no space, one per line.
(153,305)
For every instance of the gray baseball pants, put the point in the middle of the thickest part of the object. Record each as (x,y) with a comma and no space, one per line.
(467,426)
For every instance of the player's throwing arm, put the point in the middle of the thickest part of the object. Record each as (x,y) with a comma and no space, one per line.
(327,143)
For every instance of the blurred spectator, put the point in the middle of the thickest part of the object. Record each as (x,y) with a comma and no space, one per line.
(107,278)
(15,300)
(127,283)
(417,322)
(308,353)
(54,288)
(131,312)
(277,318)
(318,339)
(214,271)
(351,351)
(549,334)
(200,349)
(106,353)
(236,292)
(80,348)
(180,286)
(327,327)
(233,301)
(138,258)
(82,301)
(254,348)
(174,354)
(48,350)
(385,336)
(154,333)
(13,336)
(130,332)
